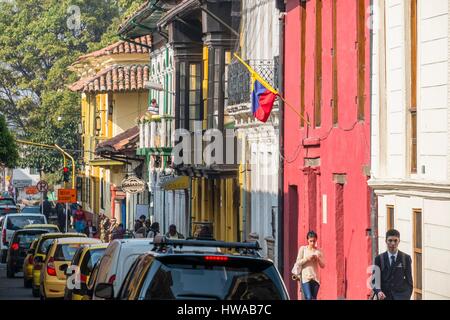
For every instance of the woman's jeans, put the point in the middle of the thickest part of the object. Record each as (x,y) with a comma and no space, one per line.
(310,290)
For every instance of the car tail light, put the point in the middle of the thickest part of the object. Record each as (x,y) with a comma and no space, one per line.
(4,236)
(51,271)
(30,259)
(112,279)
(83,278)
(216,258)
(15,246)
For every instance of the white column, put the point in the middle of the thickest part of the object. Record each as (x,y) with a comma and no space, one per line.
(141,135)
(147,135)
(152,134)
(163,132)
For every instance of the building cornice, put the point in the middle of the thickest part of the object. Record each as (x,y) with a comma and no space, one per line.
(404,187)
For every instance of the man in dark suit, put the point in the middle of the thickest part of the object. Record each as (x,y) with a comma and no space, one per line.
(395,266)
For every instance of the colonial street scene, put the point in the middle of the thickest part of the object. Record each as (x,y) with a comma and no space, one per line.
(224,150)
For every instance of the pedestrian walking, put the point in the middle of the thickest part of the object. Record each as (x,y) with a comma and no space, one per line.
(61,216)
(90,230)
(139,227)
(105,223)
(395,281)
(112,228)
(154,230)
(306,267)
(173,233)
(79,219)
(47,207)
(118,232)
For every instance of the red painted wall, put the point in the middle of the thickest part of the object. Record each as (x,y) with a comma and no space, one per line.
(343,150)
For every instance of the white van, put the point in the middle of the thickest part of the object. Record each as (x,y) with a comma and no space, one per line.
(117,260)
(13,222)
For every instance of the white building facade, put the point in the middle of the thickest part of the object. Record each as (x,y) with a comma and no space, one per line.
(169,199)
(259,141)
(411,135)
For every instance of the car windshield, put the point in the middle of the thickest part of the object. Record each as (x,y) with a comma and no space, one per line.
(65,252)
(26,239)
(196,278)
(7,202)
(45,245)
(18,222)
(90,259)
(31,210)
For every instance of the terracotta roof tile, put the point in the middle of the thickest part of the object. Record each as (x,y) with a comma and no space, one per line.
(113,79)
(120,142)
(121,47)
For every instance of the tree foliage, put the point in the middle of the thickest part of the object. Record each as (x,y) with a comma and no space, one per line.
(8,148)
(39,40)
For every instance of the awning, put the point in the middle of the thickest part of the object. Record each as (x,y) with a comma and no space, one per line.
(105,163)
(183,9)
(175,183)
(144,20)
(125,141)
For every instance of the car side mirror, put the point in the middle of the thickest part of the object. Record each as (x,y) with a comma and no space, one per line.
(104,291)
(64,267)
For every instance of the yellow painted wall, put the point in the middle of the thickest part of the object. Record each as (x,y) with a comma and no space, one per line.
(128,107)
(213,200)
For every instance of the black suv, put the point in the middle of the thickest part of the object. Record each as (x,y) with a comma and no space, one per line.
(199,269)
(20,244)
(7,205)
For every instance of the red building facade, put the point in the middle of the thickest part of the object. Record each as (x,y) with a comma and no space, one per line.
(327,156)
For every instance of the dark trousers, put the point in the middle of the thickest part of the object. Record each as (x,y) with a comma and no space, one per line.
(310,290)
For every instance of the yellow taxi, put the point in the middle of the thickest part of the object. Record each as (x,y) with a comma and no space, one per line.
(28,265)
(53,275)
(49,227)
(40,255)
(83,263)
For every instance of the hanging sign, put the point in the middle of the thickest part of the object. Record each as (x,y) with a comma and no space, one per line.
(133,185)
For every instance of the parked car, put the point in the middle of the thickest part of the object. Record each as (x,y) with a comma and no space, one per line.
(20,244)
(28,265)
(13,222)
(7,205)
(91,282)
(59,257)
(84,259)
(31,210)
(195,272)
(49,227)
(118,258)
(40,254)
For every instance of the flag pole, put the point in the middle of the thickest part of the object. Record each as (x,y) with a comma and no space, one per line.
(254,73)
(293,109)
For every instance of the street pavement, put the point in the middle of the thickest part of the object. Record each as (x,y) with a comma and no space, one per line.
(13,289)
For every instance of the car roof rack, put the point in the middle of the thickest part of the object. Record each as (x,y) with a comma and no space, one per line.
(161,242)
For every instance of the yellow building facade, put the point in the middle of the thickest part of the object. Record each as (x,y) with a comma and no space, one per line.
(113,94)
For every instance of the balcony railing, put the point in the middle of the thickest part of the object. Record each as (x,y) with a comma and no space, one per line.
(156,132)
(239,79)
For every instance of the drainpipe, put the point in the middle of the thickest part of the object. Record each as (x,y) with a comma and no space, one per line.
(280,238)
(373,197)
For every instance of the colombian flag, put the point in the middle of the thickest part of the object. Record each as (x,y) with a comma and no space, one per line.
(263,98)
(263,95)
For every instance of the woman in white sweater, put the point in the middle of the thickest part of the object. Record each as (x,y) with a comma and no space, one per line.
(309,259)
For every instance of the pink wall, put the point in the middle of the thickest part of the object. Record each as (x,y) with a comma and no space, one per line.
(343,150)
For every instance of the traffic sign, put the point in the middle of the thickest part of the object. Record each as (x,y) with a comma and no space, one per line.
(42,186)
(67,196)
(31,190)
